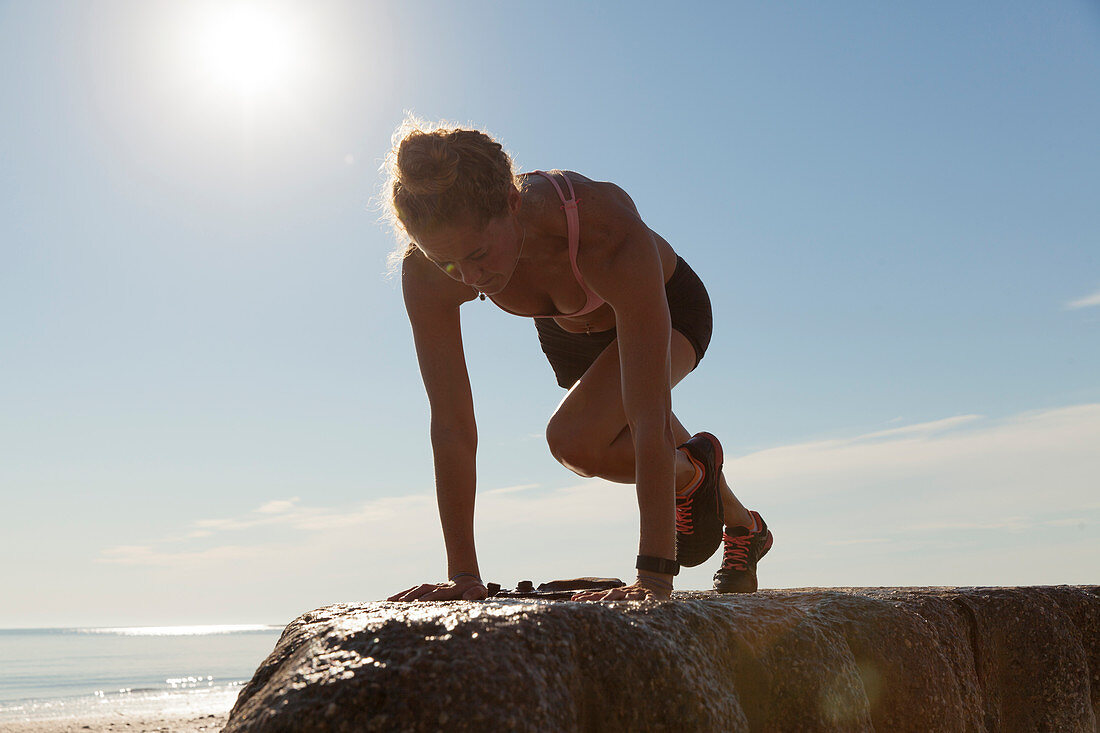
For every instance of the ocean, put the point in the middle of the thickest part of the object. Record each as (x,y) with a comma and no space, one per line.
(77,673)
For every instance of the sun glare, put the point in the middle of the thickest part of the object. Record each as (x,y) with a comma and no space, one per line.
(247,49)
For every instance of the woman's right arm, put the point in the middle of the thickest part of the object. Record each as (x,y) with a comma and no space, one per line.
(432,301)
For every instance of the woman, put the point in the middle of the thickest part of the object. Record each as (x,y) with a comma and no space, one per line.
(621,318)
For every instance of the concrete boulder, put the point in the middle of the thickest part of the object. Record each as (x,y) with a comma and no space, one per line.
(905,659)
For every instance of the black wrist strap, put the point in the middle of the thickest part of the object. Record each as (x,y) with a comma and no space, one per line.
(657,565)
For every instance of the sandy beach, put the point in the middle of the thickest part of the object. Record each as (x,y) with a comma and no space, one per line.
(120,723)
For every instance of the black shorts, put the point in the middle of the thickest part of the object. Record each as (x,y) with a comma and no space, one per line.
(570,354)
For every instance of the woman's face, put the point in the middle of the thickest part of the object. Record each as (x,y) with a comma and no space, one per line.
(483,258)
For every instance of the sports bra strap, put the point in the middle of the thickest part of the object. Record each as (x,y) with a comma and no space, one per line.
(573,224)
(572,218)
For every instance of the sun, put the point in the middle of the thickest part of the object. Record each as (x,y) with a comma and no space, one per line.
(248,49)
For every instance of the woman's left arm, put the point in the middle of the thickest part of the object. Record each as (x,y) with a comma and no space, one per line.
(629,276)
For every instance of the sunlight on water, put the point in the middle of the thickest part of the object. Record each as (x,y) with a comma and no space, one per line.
(179,683)
(178,630)
(127,670)
(215,700)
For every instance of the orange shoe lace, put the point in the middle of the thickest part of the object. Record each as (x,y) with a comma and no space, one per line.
(683,502)
(683,515)
(736,554)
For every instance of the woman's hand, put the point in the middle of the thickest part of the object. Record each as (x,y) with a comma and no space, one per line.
(461,589)
(639,590)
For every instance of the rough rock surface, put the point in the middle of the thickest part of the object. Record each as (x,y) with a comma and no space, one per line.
(886,659)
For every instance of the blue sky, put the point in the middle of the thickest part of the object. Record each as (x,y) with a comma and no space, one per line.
(210,410)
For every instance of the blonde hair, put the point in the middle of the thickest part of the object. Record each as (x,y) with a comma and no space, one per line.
(438,175)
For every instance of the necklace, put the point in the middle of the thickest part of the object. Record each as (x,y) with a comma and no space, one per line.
(515,267)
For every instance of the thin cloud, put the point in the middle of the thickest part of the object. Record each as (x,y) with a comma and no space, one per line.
(510,489)
(924,428)
(1013,523)
(147,555)
(385,517)
(1011,448)
(1085,302)
(962,500)
(288,513)
(812,455)
(1068,522)
(279,506)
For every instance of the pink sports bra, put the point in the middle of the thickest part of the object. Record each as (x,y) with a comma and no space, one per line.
(573,223)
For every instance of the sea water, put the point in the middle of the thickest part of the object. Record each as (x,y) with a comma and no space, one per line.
(166,670)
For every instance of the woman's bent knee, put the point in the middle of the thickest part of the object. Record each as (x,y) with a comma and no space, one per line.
(572,449)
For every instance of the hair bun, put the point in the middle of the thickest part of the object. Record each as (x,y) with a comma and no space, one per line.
(441,176)
(427,164)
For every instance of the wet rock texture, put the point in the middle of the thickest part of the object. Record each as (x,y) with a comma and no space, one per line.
(913,659)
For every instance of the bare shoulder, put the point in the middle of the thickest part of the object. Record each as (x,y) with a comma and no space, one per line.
(606,210)
(610,223)
(609,198)
(622,259)
(424,285)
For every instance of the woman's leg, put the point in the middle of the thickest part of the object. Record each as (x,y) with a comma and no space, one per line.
(734,513)
(588,433)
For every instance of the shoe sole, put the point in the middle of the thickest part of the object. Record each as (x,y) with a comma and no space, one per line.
(719,461)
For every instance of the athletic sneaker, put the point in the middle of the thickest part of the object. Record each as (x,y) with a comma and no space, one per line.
(699,512)
(743,549)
